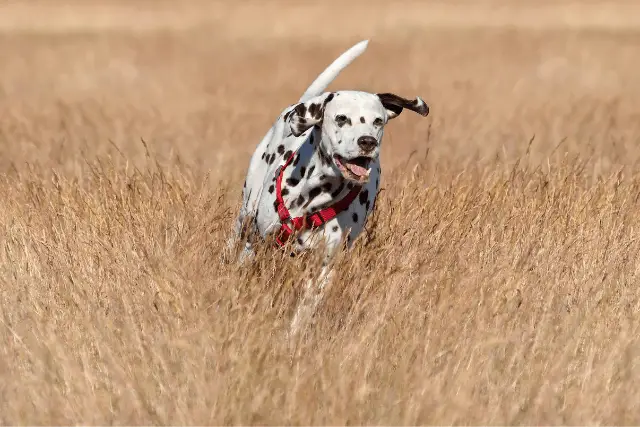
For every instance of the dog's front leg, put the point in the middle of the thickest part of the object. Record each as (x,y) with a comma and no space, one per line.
(313,294)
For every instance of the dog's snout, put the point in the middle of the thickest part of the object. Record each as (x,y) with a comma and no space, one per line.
(367,143)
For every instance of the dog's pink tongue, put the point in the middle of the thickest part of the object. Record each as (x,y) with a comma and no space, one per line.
(357,170)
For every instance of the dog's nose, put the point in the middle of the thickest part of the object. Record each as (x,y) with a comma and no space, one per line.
(367,143)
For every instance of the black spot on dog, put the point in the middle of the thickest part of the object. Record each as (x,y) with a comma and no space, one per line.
(315,111)
(327,187)
(296,160)
(329,98)
(335,228)
(284,191)
(280,149)
(292,181)
(310,171)
(271,189)
(364,196)
(266,158)
(311,140)
(302,170)
(288,154)
(314,193)
(368,205)
(339,141)
(350,185)
(300,241)
(362,120)
(355,217)
(300,110)
(275,205)
(273,157)
(300,201)
(263,154)
(324,158)
(338,190)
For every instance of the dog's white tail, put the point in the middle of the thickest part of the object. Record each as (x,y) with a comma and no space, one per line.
(323,80)
(331,72)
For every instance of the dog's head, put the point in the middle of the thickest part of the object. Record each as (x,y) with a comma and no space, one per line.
(352,125)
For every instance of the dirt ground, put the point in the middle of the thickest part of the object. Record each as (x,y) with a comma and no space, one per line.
(496,284)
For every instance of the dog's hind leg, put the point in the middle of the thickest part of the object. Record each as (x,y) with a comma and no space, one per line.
(241,232)
(247,253)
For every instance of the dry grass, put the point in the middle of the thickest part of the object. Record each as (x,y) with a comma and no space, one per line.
(497,283)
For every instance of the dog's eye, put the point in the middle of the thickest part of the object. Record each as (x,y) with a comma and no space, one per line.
(378,122)
(341,119)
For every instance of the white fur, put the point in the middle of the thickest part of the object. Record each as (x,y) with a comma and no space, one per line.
(327,76)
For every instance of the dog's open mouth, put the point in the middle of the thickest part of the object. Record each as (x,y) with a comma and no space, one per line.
(356,169)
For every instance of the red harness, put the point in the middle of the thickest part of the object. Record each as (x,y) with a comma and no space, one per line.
(308,221)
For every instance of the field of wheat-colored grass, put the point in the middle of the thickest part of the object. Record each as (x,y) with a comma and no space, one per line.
(497,282)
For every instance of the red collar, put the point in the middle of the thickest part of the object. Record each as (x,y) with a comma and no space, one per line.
(309,221)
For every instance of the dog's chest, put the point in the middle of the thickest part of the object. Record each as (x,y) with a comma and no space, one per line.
(306,187)
(305,193)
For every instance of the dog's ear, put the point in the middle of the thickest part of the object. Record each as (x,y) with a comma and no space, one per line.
(307,114)
(394,105)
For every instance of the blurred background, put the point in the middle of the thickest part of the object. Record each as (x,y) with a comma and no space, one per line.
(205,79)
(496,284)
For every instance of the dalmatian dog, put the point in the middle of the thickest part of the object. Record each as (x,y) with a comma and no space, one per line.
(314,178)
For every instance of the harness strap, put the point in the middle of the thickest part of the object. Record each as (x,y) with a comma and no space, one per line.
(309,221)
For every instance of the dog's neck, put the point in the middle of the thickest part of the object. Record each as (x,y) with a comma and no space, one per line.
(312,182)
